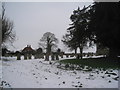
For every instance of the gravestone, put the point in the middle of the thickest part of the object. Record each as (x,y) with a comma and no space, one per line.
(52,57)
(57,57)
(29,56)
(25,56)
(18,56)
(67,56)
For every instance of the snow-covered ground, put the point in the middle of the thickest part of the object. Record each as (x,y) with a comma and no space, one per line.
(0,71)
(37,73)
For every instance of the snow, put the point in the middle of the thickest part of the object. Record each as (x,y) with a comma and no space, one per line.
(37,73)
(0,71)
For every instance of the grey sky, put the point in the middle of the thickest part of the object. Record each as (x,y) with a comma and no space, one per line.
(33,19)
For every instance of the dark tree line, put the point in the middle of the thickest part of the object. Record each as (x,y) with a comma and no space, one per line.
(98,23)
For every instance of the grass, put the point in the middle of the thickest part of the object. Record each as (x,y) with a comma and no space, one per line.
(95,62)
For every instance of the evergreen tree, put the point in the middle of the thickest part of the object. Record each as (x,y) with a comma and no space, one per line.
(105,25)
(77,35)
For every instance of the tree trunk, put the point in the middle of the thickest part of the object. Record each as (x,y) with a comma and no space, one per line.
(113,53)
(76,55)
(47,57)
(52,57)
(75,51)
(81,52)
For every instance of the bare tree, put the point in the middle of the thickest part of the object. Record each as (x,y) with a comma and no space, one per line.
(7,27)
(49,42)
(0,36)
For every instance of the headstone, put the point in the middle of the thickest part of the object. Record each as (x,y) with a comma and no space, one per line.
(47,57)
(18,56)
(57,58)
(41,56)
(78,56)
(61,55)
(25,56)
(29,56)
(35,56)
(67,56)
(52,57)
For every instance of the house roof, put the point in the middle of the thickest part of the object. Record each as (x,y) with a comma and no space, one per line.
(27,49)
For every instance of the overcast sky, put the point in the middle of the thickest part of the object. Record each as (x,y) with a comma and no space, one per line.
(33,19)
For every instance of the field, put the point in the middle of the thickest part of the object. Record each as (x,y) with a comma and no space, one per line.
(37,73)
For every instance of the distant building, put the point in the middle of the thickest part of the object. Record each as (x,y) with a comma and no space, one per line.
(28,49)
